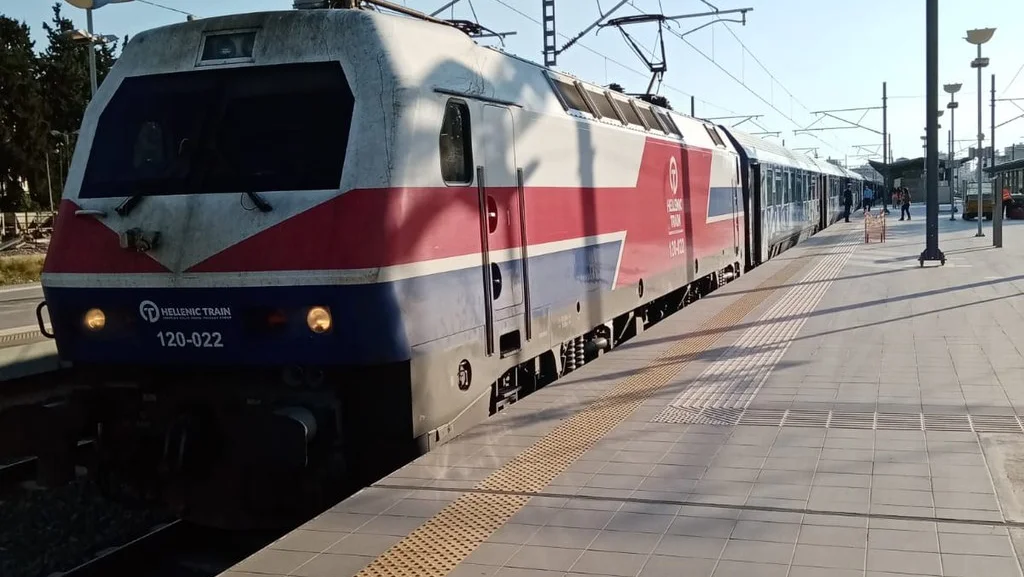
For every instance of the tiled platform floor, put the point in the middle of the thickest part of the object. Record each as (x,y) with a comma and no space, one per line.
(860,422)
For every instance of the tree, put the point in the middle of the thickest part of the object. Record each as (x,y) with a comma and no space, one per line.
(64,84)
(22,113)
(64,73)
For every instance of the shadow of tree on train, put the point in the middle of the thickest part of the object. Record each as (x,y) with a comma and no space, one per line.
(519,81)
(422,146)
(545,160)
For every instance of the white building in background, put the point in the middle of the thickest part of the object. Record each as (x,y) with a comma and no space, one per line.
(969,169)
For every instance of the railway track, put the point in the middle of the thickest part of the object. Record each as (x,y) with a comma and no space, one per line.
(133,557)
(175,549)
(24,469)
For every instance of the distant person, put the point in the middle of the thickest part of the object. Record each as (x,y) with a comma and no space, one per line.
(895,197)
(1007,202)
(847,202)
(869,199)
(905,203)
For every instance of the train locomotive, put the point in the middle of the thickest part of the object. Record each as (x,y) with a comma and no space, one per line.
(296,248)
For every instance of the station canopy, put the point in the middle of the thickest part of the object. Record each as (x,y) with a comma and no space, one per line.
(912,167)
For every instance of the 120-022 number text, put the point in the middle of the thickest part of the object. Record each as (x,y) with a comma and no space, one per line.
(182,339)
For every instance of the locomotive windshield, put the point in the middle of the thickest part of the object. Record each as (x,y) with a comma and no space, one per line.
(251,129)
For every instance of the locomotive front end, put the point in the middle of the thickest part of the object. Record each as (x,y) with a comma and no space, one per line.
(207,275)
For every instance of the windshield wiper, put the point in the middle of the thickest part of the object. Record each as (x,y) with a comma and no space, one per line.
(261,204)
(129,204)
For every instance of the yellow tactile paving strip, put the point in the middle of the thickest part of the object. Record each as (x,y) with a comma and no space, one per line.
(440,544)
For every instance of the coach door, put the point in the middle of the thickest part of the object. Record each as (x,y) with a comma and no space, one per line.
(737,209)
(822,199)
(756,215)
(502,232)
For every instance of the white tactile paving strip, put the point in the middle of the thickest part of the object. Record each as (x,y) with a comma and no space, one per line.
(837,419)
(730,383)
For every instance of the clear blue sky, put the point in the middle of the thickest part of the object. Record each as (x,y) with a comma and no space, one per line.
(816,54)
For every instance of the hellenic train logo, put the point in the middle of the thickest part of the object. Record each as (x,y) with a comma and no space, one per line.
(673,175)
(149,311)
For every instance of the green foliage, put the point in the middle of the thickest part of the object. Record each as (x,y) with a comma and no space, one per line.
(22,129)
(45,96)
(20,269)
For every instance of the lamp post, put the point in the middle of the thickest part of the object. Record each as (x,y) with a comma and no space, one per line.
(952,89)
(931,251)
(63,151)
(979,37)
(88,36)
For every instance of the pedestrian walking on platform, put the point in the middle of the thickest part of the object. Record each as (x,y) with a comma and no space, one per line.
(869,199)
(905,202)
(847,202)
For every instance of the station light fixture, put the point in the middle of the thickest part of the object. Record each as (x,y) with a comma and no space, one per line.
(978,37)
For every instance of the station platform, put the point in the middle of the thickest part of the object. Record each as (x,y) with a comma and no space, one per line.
(839,411)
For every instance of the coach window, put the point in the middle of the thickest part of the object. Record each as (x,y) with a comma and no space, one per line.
(768,193)
(456,144)
(778,186)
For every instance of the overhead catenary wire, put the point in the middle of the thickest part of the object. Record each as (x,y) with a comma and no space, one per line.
(1012,80)
(151,3)
(835,145)
(832,145)
(614,61)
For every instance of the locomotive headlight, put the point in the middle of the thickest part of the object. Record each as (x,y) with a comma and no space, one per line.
(94,319)
(318,319)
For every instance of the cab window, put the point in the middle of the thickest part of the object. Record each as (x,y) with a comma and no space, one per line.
(456,144)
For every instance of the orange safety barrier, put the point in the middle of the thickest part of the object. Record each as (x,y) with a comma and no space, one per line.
(874,226)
